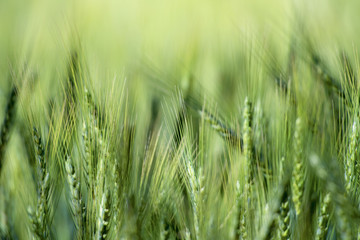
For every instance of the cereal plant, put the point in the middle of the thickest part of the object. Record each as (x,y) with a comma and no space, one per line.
(179,120)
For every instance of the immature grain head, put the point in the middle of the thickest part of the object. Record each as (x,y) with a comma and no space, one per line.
(104,218)
(352,168)
(221,128)
(35,228)
(323,219)
(40,219)
(76,202)
(298,177)
(194,190)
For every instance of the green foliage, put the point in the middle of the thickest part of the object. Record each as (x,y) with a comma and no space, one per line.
(173,128)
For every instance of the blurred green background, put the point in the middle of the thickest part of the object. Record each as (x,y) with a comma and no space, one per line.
(180,37)
(115,34)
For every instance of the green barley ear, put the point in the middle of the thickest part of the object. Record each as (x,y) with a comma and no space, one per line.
(285,219)
(87,156)
(40,153)
(95,160)
(42,211)
(92,139)
(89,135)
(242,227)
(104,218)
(224,131)
(7,123)
(243,213)
(268,227)
(194,190)
(323,219)
(352,168)
(102,163)
(35,225)
(116,194)
(298,176)
(75,196)
(247,139)
(344,210)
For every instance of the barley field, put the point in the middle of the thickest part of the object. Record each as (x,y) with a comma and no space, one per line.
(175,119)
